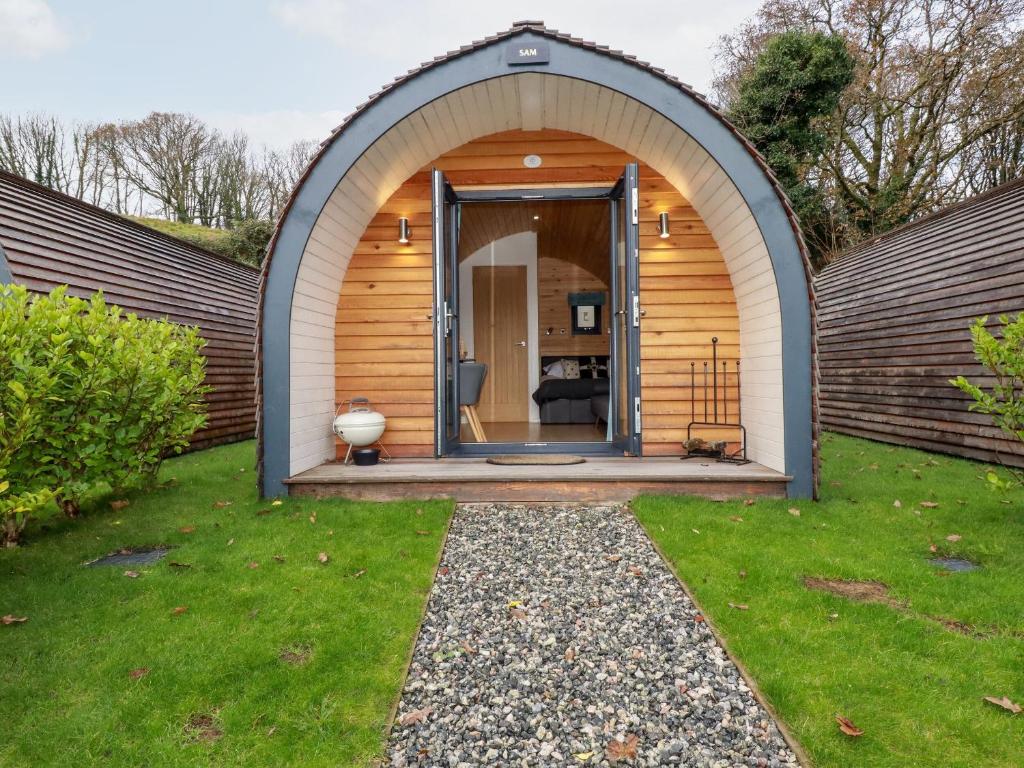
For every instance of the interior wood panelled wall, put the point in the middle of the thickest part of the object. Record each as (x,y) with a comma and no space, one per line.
(383,332)
(556,279)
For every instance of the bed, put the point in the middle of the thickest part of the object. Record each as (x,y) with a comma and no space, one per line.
(565,400)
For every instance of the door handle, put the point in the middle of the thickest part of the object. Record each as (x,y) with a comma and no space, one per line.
(520,344)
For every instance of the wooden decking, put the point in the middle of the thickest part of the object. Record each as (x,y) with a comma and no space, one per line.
(599,479)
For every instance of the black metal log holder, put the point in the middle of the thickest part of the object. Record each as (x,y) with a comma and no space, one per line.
(714,418)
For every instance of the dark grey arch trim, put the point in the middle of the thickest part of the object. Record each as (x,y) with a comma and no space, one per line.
(581,63)
(5,269)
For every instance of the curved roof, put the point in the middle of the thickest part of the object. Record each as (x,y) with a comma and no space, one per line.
(538,27)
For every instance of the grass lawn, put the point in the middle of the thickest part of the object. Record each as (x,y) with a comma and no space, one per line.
(914,685)
(217,690)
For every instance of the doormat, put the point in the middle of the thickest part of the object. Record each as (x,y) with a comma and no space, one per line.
(540,458)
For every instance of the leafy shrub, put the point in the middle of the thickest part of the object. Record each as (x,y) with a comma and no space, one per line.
(1003,356)
(98,396)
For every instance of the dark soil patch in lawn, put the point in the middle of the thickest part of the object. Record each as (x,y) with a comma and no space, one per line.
(202,726)
(296,654)
(877,592)
(861,591)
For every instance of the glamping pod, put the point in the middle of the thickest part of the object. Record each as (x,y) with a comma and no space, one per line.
(537,246)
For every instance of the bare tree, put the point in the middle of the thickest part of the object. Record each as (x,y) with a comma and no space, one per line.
(935,98)
(163,154)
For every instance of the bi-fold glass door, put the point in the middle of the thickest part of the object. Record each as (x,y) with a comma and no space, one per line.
(624,359)
(448,421)
(624,419)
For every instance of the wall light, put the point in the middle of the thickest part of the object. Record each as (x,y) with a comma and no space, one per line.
(663,231)
(403,231)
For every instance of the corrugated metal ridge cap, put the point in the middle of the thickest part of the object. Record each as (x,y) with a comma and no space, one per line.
(21,181)
(961,206)
(539,27)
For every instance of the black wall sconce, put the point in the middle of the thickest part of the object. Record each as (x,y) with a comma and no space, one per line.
(663,231)
(403,231)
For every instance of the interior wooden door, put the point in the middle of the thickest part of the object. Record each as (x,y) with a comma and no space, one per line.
(500,340)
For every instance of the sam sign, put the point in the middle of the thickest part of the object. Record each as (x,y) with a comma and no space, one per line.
(528,53)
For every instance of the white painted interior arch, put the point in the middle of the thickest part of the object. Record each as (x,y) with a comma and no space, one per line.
(532,101)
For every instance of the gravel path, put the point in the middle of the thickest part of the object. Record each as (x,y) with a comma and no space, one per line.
(557,636)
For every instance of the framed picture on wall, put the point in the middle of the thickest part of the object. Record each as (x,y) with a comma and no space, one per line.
(586,320)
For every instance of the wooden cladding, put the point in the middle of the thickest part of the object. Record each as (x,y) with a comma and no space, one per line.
(51,239)
(893,327)
(384,342)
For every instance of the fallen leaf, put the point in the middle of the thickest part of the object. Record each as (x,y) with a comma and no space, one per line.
(132,574)
(323,558)
(359,573)
(188,529)
(518,613)
(748,502)
(1005,703)
(613,558)
(635,571)
(272,730)
(954,537)
(794,512)
(135,674)
(276,503)
(415,716)
(468,648)
(221,504)
(570,654)
(583,756)
(312,518)
(253,565)
(897,503)
(928,504)
(932,547)
(230,542)
(279,558)
(179,610)
(698,618)
(848,727)
(739,606)
(743,574)
(12,619)
(422,533)
(176,564)
(622,749)
(118,504)
(736,518)
(695,531)
(443,570)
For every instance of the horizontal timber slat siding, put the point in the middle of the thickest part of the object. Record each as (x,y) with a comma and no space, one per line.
(51,239)
(893,327)
(383,332)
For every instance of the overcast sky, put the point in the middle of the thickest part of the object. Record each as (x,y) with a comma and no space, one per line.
(291,69)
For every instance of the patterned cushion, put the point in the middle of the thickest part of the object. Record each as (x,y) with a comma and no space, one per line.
(571,368)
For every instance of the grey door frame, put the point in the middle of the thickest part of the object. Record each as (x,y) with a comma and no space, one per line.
(594,448)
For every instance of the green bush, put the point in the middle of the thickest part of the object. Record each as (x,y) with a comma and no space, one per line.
(97,396)
(1003,356)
